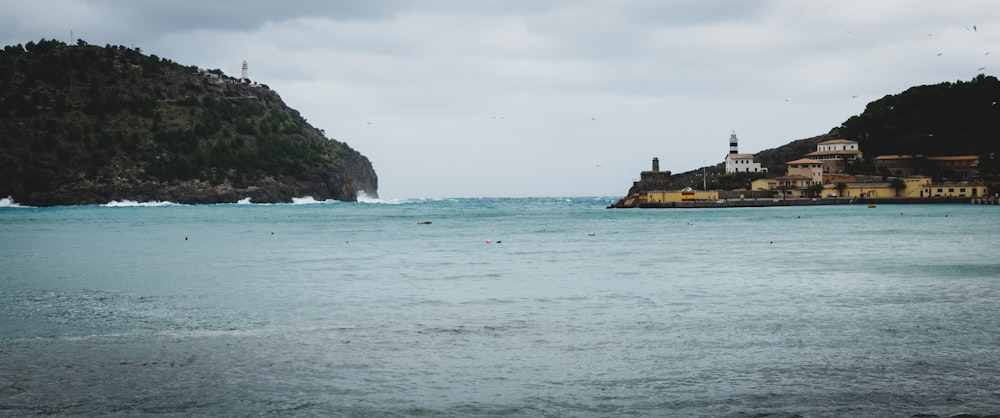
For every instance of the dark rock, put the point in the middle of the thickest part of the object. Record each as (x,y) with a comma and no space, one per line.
(120,125)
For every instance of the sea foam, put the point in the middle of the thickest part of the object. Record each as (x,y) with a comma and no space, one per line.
(305,200)
(8,202)
(133,203)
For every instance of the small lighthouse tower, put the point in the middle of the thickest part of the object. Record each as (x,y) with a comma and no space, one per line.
(245,68)
(732,143)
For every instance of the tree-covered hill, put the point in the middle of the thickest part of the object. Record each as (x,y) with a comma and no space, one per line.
(960,118)
(87,124)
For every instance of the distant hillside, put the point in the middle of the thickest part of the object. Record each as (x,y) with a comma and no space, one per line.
(960,118)
(86,124)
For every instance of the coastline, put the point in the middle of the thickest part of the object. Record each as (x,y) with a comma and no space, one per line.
(771,202)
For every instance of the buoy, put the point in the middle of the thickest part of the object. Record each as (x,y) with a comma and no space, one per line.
(488,241)
(185,238)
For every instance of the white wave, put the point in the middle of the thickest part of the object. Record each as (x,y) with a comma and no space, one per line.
(132,203)
(305,200)
(382,202)
(364,197)
(244,201)
(8,202)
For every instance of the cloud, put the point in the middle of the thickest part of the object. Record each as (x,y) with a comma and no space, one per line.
(527,97)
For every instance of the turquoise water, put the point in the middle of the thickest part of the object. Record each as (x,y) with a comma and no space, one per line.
(499,307)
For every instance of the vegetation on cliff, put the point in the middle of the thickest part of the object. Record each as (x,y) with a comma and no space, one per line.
(960,118)
(89,124)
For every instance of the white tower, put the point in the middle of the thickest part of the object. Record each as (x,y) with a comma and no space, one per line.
(732,143)
(245,67)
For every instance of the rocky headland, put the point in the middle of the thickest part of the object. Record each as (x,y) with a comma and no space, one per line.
(84,124)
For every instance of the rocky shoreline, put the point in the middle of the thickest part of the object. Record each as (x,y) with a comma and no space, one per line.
(319,183)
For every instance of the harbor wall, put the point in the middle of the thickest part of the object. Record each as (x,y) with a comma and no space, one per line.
(751,203)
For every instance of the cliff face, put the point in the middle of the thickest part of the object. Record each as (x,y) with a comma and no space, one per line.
(88,125)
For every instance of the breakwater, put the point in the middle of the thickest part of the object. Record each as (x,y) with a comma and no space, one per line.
(751,203)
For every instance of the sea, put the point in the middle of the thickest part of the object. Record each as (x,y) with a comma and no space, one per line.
(513,307)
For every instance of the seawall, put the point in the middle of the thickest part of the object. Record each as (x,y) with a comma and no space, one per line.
(753,203)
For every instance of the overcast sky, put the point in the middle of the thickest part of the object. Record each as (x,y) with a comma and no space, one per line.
(516,98)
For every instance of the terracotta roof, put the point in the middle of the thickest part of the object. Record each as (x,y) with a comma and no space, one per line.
(793,177)
(839,152)
(869,185)
(894,157)
(804,161)
(837,141)
(954,158)
(739,156)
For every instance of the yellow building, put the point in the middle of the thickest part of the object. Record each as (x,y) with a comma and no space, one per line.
(806,167)
(866,190)
(954,190)
(914,186)
(794,185)
(802,174)
(764,184)
(668,196)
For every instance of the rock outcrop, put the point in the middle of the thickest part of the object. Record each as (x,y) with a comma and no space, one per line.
(88,125)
